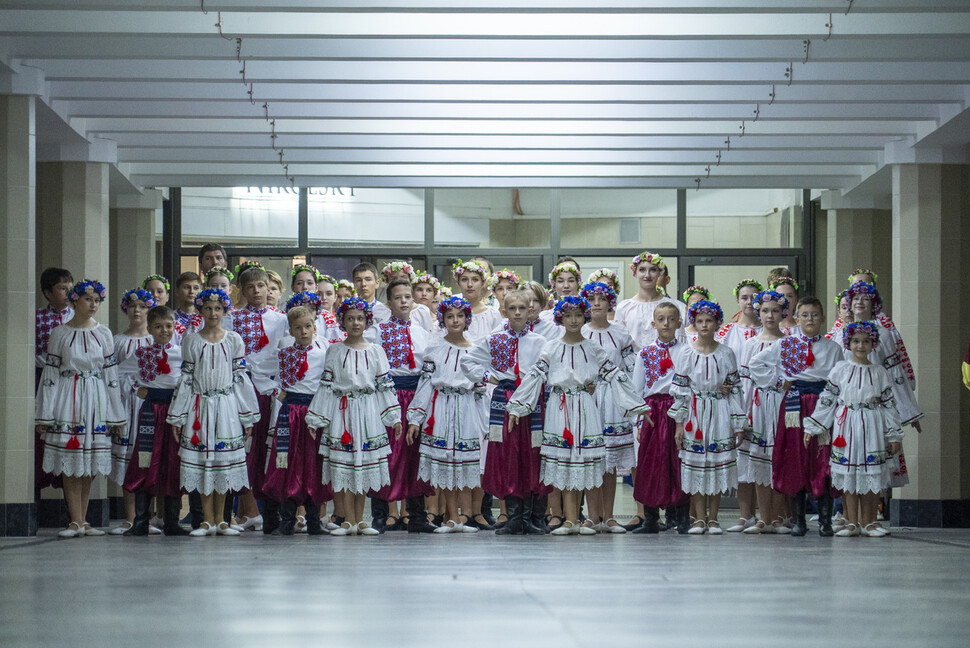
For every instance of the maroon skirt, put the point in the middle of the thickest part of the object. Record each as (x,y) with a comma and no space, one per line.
(299,476)
(404,460)
(794,467)
(256,458)
(160,475)
(512,465)
(657,482)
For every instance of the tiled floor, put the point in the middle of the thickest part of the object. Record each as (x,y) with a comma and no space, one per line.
(909,589)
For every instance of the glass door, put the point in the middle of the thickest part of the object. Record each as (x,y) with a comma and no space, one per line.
(721,274)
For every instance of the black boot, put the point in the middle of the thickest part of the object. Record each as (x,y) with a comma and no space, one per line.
(500,525)
(670,519)
(287,518)
(651,520)
(513,511)
(682,515)
(539,507)
(227,508)
(529,507)
(799,526)
(271,516)
(379,510)
(195,509)
(487,509)
(313,518)
(143,514)
(173,506)
(418,516)
(825,516)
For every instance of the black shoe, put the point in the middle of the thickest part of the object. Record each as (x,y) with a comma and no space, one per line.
(513,509)
(634,525)
(682,515)
(538,517)
(196,516)
(486,511)
(651,521)
(173,505)
(379,510)
(417,516)
(271,516)
(143,515)
(530,504)
(287,524)
(313,526)
(825,516)
(799,526)
(670,519)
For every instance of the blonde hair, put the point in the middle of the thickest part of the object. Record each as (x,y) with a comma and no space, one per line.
(275,278)
(536,291)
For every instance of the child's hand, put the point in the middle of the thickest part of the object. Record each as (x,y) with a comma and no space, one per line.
(117,431)
(725,388)
(679,435)
(313,433)
(738,438)
(590,388)
(895,447)
(281,396)
(642,418)
(786,386)
(41,429)
(248,432)
(917,426)
(412,433)
(513,420)
(142,392)
(177,433)
(806,438)
(398,430)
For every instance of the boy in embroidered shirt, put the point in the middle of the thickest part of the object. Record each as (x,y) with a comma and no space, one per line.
(366,283)
(187,287)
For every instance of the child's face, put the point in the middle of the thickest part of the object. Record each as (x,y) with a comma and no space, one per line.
(327,295)
(400,302)
(705,324)
(501,289)
(355,321)
(304,330)
(424,294)
(845,310)
(212,312)
(810,319)
(455,320)
(565,284)
(517,310)
(788,292)
(304,281)
(771,314)
(211,259)
(471,285)
(57,295)
(343,294)
(694,297)
(273,294)
(397,274)
(188,290)
(746,298)
(221,282)
(666,321)
(860,345)
(137,312)
(162,330)
(573,320)
(862,307)
(157,289)
(647,274)
(366,284)
(860,277)
(256,293)
(87,305)
(599,306)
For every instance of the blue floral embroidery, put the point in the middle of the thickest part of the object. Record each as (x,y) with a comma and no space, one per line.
(78,429)
(697,448)
(712,447)
(440,443)
(843,460)
(221,445)
(461,445)
(565,444)
(99,428)
(586,441)
(870,459)
(366,446)
(762,442)
(608,430)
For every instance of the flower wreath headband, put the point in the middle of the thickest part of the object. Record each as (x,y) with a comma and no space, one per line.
(866,288)
(504,275)
(309,299)
(697,290)
(566,266)
(454,302)
(597,276)
(748,282)
(137,294)
(430,279)
(219,270)
(87,287)
(648,257)
(247,265)
(569,303)
(864,271)
(766,296)
(399,266)
(869,328)
(444,292)
(354,303)
(156,277)
(599,288)
(705,306)
(213,295)
(344,283)
(461,267)
(842,295)
(305,268)
(325,278)
(783,281)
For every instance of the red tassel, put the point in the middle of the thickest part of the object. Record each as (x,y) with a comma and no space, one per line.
(518,379)
(195,438)
(567,436)
(73,444)
(263,339)
(839,442)
(346,439)
(810,358)
(689,426)
(699,435)
(429,424)
(163,367)
(304,367)
(197,425)
(411,363)
(666,364)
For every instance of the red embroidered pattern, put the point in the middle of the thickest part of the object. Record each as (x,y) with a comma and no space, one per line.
(189,321)
(722,332)
(149,359)
(395,340)
(46,320)
(293,361)
(653,357)
(794,353)
(248,323)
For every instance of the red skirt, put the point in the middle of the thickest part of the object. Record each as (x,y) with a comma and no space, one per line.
(512,465)
(160,477)
(403,461)
(657,482)
(794,467)
(256,458)
(299,477)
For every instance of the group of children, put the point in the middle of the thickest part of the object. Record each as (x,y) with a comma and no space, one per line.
(432,405)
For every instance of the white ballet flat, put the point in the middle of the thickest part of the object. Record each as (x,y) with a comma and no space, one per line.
(742,525)
(121,528)
(254,523)
(613,528)
(447,527)
(202,531)
(365,529)
(714,528)
(89,530)
(73,530)
(699,527)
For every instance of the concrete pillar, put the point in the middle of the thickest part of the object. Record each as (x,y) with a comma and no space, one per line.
(132,243)
(857,238)
(73,233)
(18,513)
(931,261)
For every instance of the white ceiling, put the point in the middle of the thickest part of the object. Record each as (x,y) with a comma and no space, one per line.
(612,93)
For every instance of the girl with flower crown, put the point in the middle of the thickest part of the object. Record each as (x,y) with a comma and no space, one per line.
(159,288)
(857,405)
(501,283)
(448,418)
(692,295)
(472,278)
(607,276)
(213,412)
(135,304)
(78,404)
(617,429)
(425,287)
(709,422)
(573,452)
(355,401)
(844,315)
(565,281)
(636,313)
(787,286)
(762,405)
